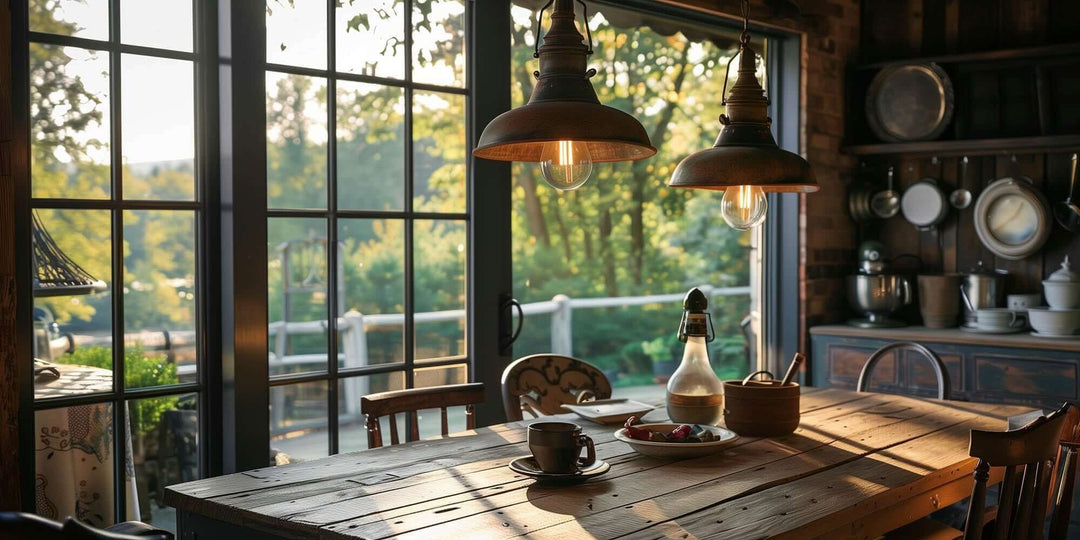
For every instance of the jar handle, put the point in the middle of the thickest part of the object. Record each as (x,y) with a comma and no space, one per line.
(759,372)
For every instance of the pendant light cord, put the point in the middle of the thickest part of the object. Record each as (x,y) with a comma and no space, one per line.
(585,23)
(744,40)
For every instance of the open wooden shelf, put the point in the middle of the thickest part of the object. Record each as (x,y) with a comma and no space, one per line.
(1049,51)
(972,147)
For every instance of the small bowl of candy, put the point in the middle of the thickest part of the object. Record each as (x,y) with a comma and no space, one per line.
(676,441)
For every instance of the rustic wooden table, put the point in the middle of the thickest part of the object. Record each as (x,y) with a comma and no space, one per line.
(859,464)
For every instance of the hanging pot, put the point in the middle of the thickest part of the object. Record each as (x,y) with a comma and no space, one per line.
(924,204)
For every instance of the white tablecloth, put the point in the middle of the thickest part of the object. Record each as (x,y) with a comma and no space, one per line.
(74,462)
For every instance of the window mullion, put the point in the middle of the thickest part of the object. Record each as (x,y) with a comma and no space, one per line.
(120,425)
(332,284)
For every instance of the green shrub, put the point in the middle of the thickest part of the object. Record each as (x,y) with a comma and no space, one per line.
(139,371)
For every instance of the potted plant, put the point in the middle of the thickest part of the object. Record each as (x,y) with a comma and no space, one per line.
(665,352)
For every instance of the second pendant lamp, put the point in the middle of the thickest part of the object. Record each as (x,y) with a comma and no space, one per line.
(564,127)
(745,163)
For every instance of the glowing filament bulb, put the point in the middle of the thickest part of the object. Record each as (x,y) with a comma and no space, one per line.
(743,207)
(566,165)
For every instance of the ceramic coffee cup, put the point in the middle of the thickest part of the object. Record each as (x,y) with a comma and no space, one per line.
(991,319)
(1021,302)
(557,447)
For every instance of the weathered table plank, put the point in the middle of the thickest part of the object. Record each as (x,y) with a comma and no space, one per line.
(855,460)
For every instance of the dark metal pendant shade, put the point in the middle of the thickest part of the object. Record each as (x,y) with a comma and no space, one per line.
(745,153)
(564,106)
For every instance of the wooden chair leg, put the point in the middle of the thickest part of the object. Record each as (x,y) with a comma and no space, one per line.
(977,506)
(1059,523)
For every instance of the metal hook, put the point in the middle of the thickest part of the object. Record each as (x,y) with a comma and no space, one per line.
(540,24)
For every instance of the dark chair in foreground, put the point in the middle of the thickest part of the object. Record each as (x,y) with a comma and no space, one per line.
(542,383)
(900,347)
(1029,456)
(375,406)
(21,525)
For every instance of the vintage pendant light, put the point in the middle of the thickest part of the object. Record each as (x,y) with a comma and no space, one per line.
(563,126)
(745,163)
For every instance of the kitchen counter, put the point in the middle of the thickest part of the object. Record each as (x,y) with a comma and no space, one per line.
(1012,368)
(922,334)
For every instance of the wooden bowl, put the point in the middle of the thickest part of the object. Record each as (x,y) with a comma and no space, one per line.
(761,409)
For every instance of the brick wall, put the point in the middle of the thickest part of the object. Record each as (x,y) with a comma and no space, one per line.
(830,31)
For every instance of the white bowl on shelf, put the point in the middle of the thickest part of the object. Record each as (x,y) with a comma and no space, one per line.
(1054,322)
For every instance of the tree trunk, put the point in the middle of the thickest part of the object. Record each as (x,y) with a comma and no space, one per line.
(534,214)
(553,207)
(641,177)
(606,256)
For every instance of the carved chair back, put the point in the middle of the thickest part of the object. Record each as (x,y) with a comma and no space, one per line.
(940,371)
(542,383)
(1028,455)
(390,404)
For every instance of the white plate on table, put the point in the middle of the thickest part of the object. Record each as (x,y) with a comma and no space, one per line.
(610,411)
(678,450)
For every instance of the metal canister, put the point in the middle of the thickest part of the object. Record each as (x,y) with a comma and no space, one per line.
(982,288)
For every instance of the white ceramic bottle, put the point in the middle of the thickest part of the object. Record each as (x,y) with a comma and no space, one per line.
(694,392)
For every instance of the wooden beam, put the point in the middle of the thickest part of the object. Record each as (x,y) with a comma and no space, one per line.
(9,372)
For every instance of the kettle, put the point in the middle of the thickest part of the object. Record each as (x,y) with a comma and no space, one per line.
(981,288)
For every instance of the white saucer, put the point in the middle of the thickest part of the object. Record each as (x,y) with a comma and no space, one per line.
(1055,336)
(977,330)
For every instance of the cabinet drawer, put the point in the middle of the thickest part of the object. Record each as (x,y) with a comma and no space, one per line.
(846,362)
(1030,376)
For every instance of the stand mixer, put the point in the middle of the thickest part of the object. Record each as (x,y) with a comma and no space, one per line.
(874,293)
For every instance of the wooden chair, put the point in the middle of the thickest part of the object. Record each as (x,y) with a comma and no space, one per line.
(940,371)
(22,525)
(542,383)
(1029,455)
(375,406)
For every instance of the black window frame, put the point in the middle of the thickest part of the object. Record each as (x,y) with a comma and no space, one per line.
(231,136)
(203,206)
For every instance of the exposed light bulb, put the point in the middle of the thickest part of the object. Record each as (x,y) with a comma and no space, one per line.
(566,164)
(743,207)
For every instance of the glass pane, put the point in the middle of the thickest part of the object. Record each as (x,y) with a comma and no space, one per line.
(439,42)
(296,134)
(297,276)
(371,37)
(426,377)
(596,243)
(439,282)
(298,422)
(165,24)
(164,435)
(296,33)
(372,255)
(73,456)
(439,150)
(81,18)
(159,297)
(370,146)
(69,122)
(158,126)
(72,325)
(352,433)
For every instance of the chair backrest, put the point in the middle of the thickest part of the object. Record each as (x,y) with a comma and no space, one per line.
(375,406)
(20,525)
(1070,443)
(1028,455)
(542,383)
(940,371)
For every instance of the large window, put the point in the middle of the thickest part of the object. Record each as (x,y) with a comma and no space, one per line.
(368,219)
(603,269)
(118,209)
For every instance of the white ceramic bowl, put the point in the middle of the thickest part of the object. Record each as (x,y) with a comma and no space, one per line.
(678,450)
(1062,294)
(1054,322)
